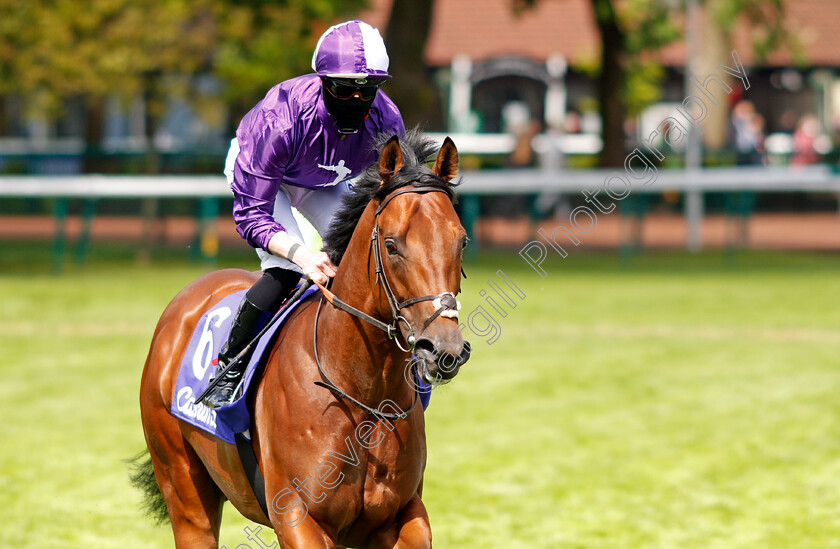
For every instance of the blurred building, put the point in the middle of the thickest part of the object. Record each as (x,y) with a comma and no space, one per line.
(497,71)
(488,57)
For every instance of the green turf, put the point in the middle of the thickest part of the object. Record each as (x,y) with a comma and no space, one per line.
(668,401)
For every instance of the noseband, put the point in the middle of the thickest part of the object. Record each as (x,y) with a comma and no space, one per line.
(446,303)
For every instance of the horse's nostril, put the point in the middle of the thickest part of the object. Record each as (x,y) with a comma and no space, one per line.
(464,355)
(447,362)
(425,350)
(441,362)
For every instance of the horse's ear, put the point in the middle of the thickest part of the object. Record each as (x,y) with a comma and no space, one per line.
(390,159)
(446,165)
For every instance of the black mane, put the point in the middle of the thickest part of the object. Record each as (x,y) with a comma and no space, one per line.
(417,151)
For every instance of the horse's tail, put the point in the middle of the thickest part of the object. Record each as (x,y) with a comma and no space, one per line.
(142,476)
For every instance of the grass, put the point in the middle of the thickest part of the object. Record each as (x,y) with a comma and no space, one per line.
(667,401)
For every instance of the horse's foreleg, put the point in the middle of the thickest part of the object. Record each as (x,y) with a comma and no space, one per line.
(192,498)
(410,531)
(306,535)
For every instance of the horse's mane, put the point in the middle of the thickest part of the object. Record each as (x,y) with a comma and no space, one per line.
(417,151)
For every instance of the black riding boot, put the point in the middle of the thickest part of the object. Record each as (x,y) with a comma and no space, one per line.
(245,326)
(259,304)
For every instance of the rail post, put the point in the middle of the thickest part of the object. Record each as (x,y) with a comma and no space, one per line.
(469,216)
(208,233)
(60,238)
(83,244)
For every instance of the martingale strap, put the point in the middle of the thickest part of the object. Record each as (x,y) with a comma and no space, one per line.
(328,383)
(338,304)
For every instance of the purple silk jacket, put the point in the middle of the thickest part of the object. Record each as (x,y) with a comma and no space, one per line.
(288,138)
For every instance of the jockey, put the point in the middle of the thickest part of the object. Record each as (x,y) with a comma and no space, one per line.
(300,147)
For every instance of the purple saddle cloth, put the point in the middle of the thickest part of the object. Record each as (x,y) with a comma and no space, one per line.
(196,370)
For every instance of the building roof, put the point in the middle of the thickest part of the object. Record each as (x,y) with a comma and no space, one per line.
(816,24)
(567,27)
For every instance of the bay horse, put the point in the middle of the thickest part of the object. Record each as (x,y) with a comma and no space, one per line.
(396,237)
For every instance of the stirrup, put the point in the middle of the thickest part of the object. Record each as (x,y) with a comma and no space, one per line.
(224,393)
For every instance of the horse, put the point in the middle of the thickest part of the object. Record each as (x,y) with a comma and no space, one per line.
(335,428)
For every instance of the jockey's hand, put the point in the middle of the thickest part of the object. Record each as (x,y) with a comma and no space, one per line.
(315,265)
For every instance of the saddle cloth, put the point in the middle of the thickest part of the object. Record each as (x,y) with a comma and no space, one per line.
(196,369)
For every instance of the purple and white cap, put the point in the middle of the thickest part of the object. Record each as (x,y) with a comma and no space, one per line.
(351,50)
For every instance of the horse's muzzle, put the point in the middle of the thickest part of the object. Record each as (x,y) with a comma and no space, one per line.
(438,362)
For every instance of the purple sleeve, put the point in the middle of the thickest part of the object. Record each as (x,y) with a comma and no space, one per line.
(258,170)
(253,207)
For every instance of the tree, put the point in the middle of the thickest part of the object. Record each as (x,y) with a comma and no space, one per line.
(412,88)
(263,42)
(54,49)
(611,82)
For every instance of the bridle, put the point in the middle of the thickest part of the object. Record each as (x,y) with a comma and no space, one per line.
(447,299)
(446,303)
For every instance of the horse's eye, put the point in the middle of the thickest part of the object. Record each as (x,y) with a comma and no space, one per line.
(465,242)
(391,247)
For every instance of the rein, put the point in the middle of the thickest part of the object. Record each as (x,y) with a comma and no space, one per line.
(328,383)
(447,302)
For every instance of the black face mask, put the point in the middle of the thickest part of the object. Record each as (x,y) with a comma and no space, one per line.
(348,114)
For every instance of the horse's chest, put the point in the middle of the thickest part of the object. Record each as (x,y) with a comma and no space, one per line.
(387,487)
(370,479)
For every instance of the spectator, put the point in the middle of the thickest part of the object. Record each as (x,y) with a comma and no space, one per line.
(758,129)
(804,139)
(746,133)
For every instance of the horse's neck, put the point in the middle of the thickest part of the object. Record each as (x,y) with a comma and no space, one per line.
(359,353)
